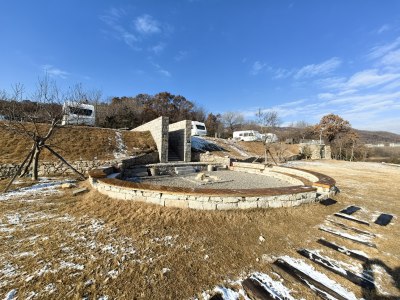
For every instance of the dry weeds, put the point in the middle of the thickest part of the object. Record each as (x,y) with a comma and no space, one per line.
(61,246)
(75,143)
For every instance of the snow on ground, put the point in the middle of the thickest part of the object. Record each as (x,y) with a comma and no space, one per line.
(121,151)
(38,242)
(203,145)
(46,187)
(318,276)
(236,291)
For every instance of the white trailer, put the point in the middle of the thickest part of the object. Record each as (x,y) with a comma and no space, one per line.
(78,114)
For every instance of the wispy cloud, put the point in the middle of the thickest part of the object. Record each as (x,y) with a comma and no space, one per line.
(161,70)
(257,67)
(54,72)
(381,50)
(146,24)
(383,28)
(181,55)
(157,49)
(323,68)
(113,19)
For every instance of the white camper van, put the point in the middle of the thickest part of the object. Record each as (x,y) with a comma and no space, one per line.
(198,128)
(247,135)
(78,114)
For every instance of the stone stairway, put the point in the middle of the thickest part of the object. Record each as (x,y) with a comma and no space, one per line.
(173,156)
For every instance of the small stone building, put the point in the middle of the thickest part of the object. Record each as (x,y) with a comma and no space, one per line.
(173,140)
(315,151)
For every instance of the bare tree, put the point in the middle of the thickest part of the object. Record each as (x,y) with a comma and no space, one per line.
(267,119)
(232,120)
(26,118)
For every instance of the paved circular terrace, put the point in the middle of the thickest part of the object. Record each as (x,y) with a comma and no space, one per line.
(245,186)
(218,180)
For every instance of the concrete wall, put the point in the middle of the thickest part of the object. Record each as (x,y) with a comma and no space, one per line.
(159,131)
(180,139)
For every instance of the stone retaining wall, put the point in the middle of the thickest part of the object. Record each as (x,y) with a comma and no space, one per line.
(58,168)
(203,201)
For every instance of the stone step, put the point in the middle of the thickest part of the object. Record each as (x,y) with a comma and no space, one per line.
(184,170)
(138,172)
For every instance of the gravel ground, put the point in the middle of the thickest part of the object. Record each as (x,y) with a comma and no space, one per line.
(227,180)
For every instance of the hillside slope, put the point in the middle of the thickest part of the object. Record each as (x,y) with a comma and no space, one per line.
(78,143)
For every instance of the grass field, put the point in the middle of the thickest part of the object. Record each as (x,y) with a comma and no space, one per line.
(56,246)
(76,143)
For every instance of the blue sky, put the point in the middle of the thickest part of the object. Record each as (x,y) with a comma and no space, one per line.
(303,59)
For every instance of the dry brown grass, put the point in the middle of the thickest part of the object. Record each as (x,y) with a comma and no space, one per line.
(75,143)
(201,249)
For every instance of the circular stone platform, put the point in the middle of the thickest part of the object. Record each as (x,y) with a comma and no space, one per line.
(244,186)
(218,180)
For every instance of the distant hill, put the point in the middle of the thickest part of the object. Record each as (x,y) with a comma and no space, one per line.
(366,136)
(374,137)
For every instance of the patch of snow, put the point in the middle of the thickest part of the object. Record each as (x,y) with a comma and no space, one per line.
(9,270)
(11,295)
(70,265)
(360,238)
(103,298)
(14,219)
(50,288)
(113,274)
(25,254)
(261,239)
(318,276)
(276,287)
(203,145)
(227,294)
(31,295)
(46,187)
(121,151)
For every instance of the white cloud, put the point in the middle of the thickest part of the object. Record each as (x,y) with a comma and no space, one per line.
(383,28)
(161,70)
(146,24)
(55,72)
(181,55)
(323,68)
(257,67)
(112,18)
(325,96)
(282,73)
(369,78)
(157,49)
(392,58)
(379,51)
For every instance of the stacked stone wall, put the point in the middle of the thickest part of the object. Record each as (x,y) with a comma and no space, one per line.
(202,201)
(159,131)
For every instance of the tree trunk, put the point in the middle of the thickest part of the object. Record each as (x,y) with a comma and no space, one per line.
(35,166)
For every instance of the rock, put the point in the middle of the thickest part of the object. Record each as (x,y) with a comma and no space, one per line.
(79,191)
(200,176)
(261,238)
(68,185)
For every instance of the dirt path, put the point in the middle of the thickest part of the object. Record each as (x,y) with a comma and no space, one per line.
(58,246)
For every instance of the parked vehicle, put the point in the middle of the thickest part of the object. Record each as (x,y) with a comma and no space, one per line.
(253,135)
(247,135)
(198,128)
(78,114)
(270,138)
